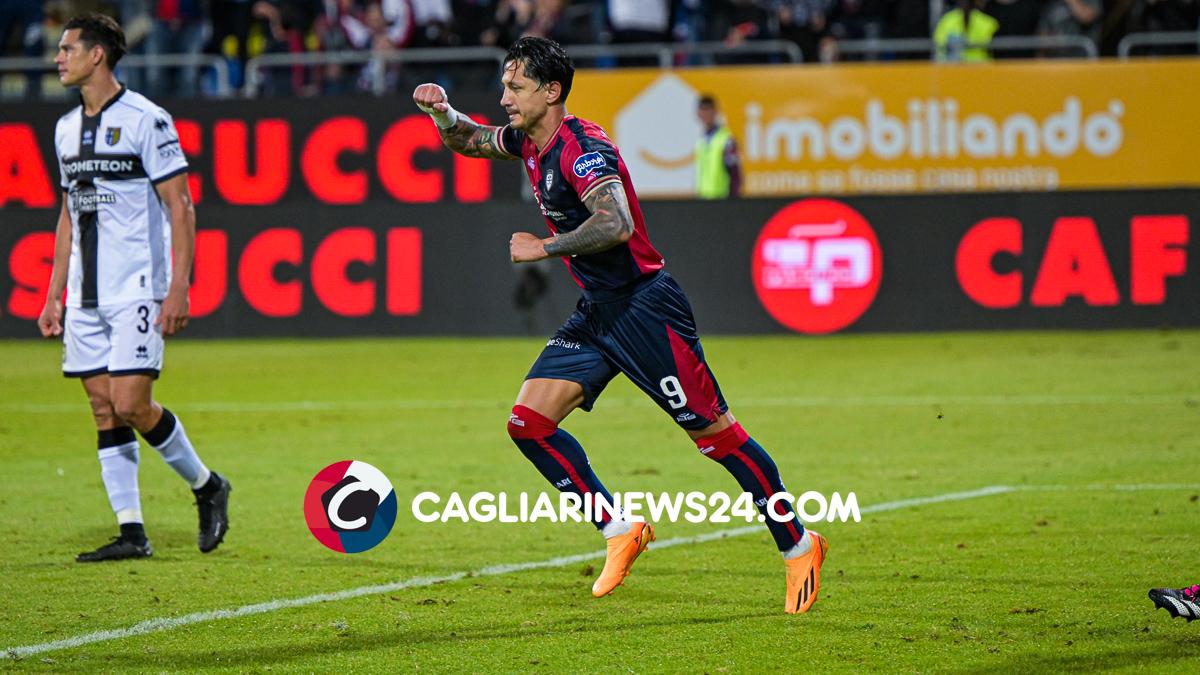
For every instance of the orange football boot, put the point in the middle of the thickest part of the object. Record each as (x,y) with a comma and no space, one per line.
(623,549)
(804,576)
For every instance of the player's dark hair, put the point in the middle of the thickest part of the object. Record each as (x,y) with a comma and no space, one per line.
(103,30)
(708,101)
(545,61)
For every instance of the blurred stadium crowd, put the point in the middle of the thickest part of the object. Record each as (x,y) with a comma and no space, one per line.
(240,29)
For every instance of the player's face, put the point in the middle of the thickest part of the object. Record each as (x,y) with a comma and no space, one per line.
(74,60)
(523,100)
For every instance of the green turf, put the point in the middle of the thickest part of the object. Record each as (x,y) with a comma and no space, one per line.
(1030,580)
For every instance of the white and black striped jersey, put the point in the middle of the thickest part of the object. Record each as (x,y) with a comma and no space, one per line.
(120,231)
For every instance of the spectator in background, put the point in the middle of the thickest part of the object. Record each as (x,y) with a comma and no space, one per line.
(718,169)
(22,20)
(1015,18)
(964,33)
(858,19)
(742,20)
(510,20)
(179,27)
(432,21)
(640,20)
(232,20)
(474,21)
(908,19)
(1071,17)
(289,26)
(1167,15)
(549,22)
(804,22)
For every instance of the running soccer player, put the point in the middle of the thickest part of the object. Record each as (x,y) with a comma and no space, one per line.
(126,214)
(633,318)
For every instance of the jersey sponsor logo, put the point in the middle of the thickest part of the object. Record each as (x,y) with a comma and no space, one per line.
(588,163)
(112,135)
(80,166)
(817,266)
(169,149)
(86,200)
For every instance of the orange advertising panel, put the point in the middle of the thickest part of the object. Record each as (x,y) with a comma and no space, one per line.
(851,129)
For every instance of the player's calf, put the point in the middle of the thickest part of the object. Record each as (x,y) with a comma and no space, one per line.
(560,459)
(803,551)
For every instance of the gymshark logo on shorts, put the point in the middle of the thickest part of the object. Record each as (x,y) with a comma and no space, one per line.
(588,163)
(565,344)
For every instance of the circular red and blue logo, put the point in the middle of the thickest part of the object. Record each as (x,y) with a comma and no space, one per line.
(350,506)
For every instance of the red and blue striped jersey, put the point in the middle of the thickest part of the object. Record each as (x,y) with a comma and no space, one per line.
(578,160)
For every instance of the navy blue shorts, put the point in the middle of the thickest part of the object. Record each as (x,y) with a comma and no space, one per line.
(650,336)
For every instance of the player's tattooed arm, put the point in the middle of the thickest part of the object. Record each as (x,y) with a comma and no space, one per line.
(611,224)
(472,139)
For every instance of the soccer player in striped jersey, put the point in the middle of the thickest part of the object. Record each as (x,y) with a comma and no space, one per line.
(633,318)
(126,213)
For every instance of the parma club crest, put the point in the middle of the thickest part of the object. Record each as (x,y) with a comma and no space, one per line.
(112,135)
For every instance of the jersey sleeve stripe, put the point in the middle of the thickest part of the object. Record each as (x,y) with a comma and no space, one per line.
(500,143)
(171,174)
(592,188)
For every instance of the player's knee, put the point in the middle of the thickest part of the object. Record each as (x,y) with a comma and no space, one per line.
(526,423)
(719,444)
(132,411)
(102,410)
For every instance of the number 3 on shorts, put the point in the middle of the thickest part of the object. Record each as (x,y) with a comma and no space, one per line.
(673,391)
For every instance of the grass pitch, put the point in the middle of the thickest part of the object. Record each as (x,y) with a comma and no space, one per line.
(1098,429)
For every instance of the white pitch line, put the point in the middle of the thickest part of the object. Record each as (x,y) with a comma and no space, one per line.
(167,623)
(1187,398)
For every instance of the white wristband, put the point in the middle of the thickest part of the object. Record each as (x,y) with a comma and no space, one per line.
(445,120)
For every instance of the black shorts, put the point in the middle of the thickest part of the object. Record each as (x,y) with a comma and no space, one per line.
(650,336)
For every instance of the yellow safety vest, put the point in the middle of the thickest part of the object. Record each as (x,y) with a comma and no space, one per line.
(953,26)
(712,179)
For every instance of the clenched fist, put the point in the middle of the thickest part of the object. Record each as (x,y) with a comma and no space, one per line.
(431,98)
